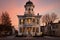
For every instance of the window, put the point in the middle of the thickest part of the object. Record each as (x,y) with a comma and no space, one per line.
(37,21)
(33,20)
(21,21)
(33,29)
(55,27)
(25,8)
(37,29)
(20,29)
(29,21)
(29,9)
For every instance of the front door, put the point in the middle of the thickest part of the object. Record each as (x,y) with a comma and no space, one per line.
(29,31)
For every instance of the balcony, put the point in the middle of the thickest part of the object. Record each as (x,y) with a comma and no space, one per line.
(28,25)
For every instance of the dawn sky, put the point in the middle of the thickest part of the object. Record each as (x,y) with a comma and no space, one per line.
(16,7)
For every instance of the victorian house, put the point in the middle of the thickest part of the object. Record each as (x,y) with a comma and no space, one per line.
(29,23)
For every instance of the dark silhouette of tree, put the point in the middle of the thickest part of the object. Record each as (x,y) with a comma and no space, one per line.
(6,26)
(53,17)
(6,19)
(47,18)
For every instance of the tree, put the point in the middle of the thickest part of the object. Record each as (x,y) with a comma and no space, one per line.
(6,19)
(6,26)
(47,18)
(53,17)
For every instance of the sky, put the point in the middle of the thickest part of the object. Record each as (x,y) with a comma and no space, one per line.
(16,7)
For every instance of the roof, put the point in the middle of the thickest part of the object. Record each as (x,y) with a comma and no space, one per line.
(29,2)
(29,16)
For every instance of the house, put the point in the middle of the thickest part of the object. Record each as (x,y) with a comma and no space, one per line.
(29,23)
(52,29)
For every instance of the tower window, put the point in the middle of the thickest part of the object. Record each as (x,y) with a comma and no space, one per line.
(29,9)
(26,9)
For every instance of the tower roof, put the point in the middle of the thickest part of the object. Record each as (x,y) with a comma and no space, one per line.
(29,2)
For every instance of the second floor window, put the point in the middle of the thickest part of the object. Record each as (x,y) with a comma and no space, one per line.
(37,21)
(21,21)
(29,21)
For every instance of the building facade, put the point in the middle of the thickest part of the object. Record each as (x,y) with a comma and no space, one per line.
(29,23)
(55,29)
(52,29)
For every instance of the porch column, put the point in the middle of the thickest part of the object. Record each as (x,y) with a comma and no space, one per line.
(32,30)
(39,33)
(35,29)
(39,30)
(19,31)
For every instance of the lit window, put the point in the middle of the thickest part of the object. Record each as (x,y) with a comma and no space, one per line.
(29,20)
(21,20)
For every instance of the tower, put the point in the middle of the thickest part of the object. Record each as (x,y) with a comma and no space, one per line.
(29,6)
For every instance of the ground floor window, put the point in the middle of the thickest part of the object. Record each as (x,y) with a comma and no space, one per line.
(20,29)
(37,29)
(33,29)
